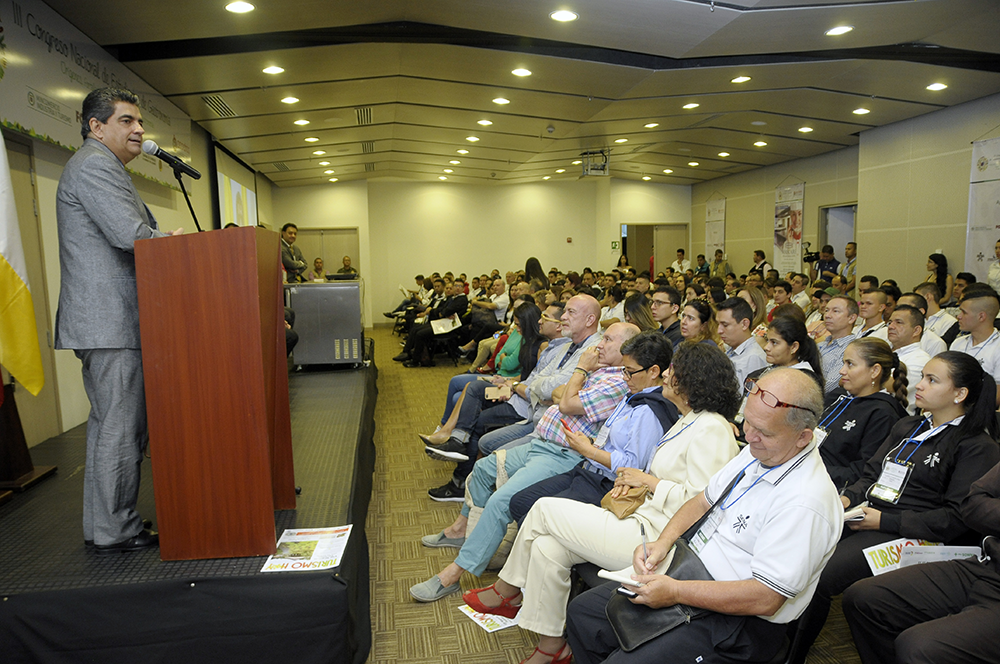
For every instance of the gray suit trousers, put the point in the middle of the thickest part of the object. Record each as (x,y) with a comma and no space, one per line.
(116,437)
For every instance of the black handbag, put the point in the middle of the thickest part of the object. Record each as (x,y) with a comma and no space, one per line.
(635,624)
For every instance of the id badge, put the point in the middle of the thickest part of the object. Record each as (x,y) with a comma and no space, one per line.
(819,435)
(890,483)
(700,539)
(602,437)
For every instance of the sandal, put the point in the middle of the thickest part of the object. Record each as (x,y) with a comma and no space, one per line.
(555,656)
(505,608)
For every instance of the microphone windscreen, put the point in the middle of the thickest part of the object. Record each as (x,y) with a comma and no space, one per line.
(150,147)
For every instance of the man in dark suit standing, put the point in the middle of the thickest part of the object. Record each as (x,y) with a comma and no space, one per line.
(100,216)
(291,256)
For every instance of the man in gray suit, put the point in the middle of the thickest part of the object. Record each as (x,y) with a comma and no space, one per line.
(100,216)
(291,256)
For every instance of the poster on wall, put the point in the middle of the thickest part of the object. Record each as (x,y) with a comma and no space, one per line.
(788,228)
(47,67)
(238,203)
(715,227)
(984,208)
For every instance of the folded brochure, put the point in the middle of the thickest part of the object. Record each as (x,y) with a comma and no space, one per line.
(309,549)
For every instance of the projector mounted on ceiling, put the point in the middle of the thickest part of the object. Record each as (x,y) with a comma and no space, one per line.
(595,162)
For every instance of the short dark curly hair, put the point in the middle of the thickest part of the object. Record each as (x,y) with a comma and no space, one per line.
(704,375)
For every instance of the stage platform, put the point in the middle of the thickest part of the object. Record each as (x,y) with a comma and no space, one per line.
(59,602)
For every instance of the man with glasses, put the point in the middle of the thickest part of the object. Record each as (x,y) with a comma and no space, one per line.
(773,521)
(664,305)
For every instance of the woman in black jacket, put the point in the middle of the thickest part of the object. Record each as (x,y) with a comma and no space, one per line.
(852,427)
(917,480)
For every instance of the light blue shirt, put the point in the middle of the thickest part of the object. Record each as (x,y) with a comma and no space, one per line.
(631,439)
(831,355)
(746,358)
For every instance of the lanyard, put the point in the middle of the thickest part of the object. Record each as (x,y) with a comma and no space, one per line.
(667,437)
(618,409)
(986,343)
(835,413)
(919,440)
(723,506)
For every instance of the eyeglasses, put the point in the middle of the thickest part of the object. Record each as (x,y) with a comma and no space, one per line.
(769,399)
(659,303)
(628,374)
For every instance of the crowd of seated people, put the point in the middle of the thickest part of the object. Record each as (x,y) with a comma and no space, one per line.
(748,413)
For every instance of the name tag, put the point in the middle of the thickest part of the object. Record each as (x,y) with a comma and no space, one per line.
(602,437)
(819,435)
(890,483)
(700,539)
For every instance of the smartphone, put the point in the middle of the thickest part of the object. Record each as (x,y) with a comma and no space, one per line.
(565,424)
(494,393)
(622,590)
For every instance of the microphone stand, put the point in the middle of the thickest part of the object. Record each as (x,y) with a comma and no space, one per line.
(177,174)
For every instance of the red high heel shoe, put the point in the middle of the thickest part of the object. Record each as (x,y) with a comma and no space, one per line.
(555,656)
(505,608)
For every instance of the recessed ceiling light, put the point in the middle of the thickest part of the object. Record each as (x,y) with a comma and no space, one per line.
(861,111)
(690,106)
(684,149)
(723,154)
(839,30)
(646,177)
(564,15)
(521,72)
(936,86)
(501,101)
(547,177)
(650,125)
(667,171)
(462,151)
(289,100)
(577,162)
(560,170)
(485,123)
(272,70)
(333,179)
(239,7)
(301,123)
(312,139)
(621,140)
(740,79)
(805,130)
(760,144)
(329,171)
(448,170)
(758,123)
(472,139)
(324,163)
(692,163)
(442,177)
(319,152)
(454,161)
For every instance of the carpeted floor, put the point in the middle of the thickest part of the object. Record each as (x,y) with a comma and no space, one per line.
(410,402)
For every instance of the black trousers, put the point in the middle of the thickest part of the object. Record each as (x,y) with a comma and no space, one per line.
(937,613)
(711,639)
(578,484)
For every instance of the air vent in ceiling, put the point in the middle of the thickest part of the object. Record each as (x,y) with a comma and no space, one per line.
(367,147)
(281,166)
(364,115)
(369,168)
(219,106)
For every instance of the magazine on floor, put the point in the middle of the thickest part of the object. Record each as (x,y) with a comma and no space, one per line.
(308,549)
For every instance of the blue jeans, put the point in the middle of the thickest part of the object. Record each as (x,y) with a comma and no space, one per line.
(455,387)
(506,437)
(525,465)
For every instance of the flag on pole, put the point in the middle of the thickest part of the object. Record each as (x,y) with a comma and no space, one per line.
(19,352)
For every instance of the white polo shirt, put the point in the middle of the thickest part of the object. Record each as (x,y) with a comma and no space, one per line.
(940,322)
(502,301)
(914,357)
(803,299)
(988,352)
(880,331)
(779,526)
(932,343)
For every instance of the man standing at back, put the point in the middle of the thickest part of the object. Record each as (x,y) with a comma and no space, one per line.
(100,216)
(291,256)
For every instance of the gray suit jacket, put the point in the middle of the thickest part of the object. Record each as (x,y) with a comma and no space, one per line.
(100,216)
(291,258)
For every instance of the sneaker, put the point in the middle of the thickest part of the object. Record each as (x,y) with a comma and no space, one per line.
(441,541)
(448,493)
(432,590)
(453,450)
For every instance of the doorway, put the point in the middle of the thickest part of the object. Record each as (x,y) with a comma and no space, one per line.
(836,228)
(668,239)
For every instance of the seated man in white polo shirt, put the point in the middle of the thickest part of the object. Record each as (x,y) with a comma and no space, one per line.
(871,306)
(930,342)
(905,327)
(939,321)
(977,310)
(765,543)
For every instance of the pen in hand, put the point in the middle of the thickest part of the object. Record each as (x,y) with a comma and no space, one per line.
(642,531)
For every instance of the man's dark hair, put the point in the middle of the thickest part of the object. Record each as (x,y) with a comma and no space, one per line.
(649,348)
(928,288)
(892,292)
(916,316)
(827,249)
(439,280)
(891,282)
(681,251)
(967,277)
(980,290)
(287,226)
(421,277)
(781,283)
(672,293)
(716,282)
(644,275)
(760,252)
(870,278)
(701,256)
(100,105)
(739,308)
(920,302)
(773,271)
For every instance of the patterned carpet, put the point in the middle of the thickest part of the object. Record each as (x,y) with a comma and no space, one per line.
(410,402)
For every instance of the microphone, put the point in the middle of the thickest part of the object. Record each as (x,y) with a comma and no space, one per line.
(151,148)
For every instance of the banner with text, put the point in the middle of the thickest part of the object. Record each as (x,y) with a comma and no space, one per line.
(715,227)
(984,208)
(47,67)
(788,228)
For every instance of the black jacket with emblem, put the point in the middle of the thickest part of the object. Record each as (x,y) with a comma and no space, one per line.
(856,433)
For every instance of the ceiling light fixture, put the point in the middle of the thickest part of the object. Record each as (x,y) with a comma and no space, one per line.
(301,123)
(472,139)
(621,140)
(312,139)
(333,179)
(462,151)
(690,106)
(577,162)
(758,123)
(547,177)
(805,130)
(650,125)
(455,161)
(289,100)
(560,170)
(740,79)
(239,7)
(646,177)
(861,111)
(485,123)
(501,101)
(839,30)
(723,154)
(442,177)
(448,170)
(319,152)
(760,144)
(273,69)
(692,163)
(936,86)
(564,16)
(520,71)
(324,163)
(667,171)
(329,171)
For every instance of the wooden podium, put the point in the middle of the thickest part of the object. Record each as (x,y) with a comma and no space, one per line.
(213,353)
